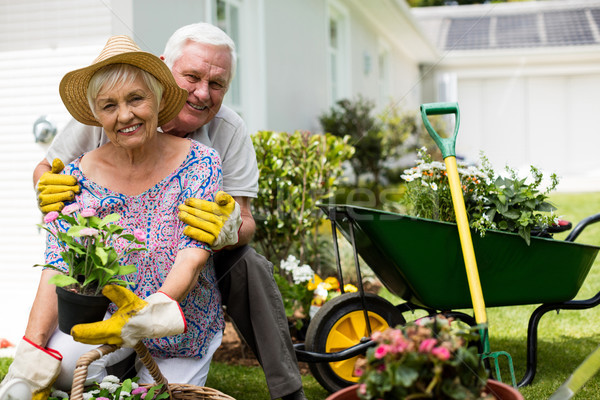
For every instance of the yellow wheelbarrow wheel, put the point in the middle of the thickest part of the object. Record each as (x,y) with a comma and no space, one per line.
(339,325)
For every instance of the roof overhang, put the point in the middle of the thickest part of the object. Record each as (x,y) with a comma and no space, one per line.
(394,21)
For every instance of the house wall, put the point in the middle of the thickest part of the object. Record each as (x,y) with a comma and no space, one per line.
(296,67)
(533,112)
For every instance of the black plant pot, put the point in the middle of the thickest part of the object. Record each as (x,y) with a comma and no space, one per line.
(75,308)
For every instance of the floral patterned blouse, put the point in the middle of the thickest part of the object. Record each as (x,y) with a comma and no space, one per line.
(155,212)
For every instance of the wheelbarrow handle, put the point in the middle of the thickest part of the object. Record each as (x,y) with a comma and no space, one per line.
(446,145)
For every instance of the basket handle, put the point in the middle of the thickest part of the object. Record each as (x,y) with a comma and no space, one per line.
(81,368)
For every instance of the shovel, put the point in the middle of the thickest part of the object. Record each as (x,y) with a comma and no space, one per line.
(580,376)
(447,147)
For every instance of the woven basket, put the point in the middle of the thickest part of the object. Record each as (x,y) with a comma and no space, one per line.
(176,391)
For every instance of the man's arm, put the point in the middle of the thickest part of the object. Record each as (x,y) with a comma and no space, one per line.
(248,225)
(43,166)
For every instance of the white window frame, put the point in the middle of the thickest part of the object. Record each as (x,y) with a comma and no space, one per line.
(338,75)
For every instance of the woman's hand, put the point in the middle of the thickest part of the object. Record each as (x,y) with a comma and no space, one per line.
(156,316)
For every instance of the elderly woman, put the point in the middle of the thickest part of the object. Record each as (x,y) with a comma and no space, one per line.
(142,174)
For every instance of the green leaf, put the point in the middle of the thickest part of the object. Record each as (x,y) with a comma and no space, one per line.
(62,280)
(109,218)
(405,375)
(102,255)
(74,230)
(126,269)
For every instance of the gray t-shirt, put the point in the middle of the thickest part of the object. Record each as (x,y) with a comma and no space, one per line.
(226,133)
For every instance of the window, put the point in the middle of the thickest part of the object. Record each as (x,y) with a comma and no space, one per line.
(227,17)
(338,54)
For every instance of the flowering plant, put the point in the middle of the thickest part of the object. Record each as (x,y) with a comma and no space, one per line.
(87,243)
(429,358)
(292,281)
(111,389)
(492,201)
(303,291)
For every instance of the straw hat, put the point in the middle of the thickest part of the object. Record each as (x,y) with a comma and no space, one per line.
(120,50)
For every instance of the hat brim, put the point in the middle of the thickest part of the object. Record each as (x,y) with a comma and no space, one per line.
(73,86)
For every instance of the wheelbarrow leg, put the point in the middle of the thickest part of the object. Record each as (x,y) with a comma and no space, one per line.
(532,330)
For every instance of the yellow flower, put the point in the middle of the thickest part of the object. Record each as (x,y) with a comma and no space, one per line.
(314,282)
(349,288)
(332,283)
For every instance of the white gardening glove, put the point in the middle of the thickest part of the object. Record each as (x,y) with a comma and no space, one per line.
(215,223)
(37,366)
(136,319)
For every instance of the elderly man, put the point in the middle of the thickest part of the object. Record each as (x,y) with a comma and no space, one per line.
(202,59)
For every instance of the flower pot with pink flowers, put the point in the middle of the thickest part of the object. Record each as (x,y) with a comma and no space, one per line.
(428,359)
(86,250)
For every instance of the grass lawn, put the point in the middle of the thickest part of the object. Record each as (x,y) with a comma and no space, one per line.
(564,339)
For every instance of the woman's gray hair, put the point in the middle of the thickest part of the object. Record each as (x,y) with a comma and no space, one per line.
(201,32)
(108,77)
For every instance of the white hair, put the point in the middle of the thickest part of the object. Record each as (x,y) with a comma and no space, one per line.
(201,32)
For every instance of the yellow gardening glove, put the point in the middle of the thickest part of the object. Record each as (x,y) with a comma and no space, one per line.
(54,189)
(216,223)
(36,366)
(136,319)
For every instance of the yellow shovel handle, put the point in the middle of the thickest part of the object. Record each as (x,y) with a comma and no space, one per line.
(465,240)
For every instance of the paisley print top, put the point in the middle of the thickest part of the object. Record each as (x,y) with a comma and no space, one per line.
(155,212)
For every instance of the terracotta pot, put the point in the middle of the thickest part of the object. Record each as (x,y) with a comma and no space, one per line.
(503,391)
(75,308)
(500,390)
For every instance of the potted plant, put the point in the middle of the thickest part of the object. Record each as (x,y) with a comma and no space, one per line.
(87,246)
(428,359)
(503,202)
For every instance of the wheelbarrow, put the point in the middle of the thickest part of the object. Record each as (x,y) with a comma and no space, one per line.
(420,261)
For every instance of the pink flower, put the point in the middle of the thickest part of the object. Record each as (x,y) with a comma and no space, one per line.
(139,234)
(362,389)
(50,217)
(426,345)
(70,209)
(376,335)
(139,390)
(381,351)
(358,372)
(441,352)
(88,212)
(88,232)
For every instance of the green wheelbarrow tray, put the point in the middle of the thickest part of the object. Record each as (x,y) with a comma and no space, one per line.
(420,260)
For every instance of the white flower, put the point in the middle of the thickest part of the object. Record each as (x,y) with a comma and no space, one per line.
(302,274)
(321,291)
(433,186)
(111,387)
(59,394)
(124,394)
(111,379)
(289,264)
(134,385)
(88,396)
